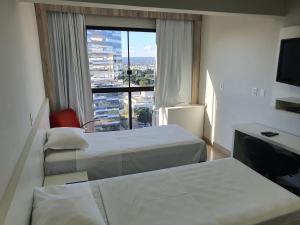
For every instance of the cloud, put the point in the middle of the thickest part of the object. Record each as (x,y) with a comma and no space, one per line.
(147,47)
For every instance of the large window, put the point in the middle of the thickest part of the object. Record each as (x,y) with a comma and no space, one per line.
(122,68)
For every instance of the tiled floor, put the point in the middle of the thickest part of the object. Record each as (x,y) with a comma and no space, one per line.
(213,154)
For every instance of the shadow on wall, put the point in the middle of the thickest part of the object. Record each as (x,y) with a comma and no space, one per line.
(211,108)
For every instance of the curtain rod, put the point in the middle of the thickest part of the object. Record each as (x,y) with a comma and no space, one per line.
(118,12)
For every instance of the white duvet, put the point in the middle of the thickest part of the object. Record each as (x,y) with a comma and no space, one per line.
(222,192)
(118,153)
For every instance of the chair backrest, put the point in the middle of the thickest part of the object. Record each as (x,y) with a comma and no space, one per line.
(65,118)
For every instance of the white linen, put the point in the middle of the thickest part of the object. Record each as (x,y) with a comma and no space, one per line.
(222,192)
(65,205)
(174,62)
(125,152)
(59,162)
(95,189)
(66,138)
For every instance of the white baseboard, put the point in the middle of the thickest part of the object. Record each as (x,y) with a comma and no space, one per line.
(218,147)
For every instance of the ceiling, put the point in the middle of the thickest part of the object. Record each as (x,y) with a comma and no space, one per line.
(262,7)
(258,7)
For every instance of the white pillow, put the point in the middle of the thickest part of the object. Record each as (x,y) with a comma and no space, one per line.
(66,138)
(65,205)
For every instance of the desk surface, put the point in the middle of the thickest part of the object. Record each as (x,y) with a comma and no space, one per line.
(285,140)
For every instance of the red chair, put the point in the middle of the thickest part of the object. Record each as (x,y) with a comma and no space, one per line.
(65,118)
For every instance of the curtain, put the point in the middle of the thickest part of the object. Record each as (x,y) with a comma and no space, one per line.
(72,84)
(174,64)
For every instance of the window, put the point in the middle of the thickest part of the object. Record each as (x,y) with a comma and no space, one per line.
(122,67)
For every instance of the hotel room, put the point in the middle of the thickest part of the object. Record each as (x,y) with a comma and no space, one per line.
(150,112)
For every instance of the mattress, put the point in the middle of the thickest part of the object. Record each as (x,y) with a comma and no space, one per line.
(119,153)
(221,192)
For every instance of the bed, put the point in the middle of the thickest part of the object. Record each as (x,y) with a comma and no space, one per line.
(119,153)
(221,192)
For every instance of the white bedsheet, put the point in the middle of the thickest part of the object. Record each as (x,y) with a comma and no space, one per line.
(118,153)
(222,192)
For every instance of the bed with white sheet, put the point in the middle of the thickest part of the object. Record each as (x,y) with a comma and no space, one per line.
(221,192)
(119,153)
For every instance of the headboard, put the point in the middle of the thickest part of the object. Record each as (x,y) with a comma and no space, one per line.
(16,204)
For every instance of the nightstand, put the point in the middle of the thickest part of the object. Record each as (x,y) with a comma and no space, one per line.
(66,178)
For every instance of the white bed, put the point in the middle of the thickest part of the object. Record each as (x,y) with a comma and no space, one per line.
(222,192)
(119,153)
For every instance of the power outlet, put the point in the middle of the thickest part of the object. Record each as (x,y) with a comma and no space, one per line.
(221,86)
(254,92)
(31,119)
(262,93)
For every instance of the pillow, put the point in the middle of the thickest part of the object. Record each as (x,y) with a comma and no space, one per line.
(65,138)
(65,205)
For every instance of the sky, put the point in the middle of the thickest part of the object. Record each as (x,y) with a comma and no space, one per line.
(142,44)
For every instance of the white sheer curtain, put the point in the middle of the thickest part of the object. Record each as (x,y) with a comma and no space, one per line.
(174,64)
(67,39)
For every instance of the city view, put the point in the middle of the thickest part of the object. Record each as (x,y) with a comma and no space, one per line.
(108,63)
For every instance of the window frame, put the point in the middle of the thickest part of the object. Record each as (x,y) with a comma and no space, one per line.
(128,89)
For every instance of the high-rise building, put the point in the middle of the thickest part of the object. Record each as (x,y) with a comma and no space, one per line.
(105,57)
(105,62)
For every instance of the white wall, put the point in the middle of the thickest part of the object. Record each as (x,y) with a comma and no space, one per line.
(240,52)
(21,82)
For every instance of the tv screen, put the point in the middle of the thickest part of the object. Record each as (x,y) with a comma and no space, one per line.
(289,62)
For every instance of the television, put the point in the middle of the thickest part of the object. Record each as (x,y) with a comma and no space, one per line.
(288,70)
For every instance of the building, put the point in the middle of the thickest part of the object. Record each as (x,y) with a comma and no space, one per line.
(105,63)
(105,57)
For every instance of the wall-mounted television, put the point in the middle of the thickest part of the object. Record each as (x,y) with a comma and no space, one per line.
(289,62)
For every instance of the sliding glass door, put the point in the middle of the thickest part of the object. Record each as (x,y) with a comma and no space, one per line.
(122,68)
